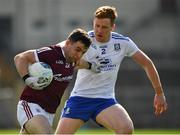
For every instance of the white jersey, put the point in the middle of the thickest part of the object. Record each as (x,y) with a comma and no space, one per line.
(101,85)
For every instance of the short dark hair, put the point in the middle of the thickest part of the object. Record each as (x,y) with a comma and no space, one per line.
(80,35)
(106,12)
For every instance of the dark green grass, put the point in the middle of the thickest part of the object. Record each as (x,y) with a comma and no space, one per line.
(103,131)
(137,131)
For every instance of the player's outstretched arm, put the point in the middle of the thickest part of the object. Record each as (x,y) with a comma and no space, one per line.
(160,103)
(82,64)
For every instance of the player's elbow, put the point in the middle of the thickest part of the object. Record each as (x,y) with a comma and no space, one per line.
(18,58)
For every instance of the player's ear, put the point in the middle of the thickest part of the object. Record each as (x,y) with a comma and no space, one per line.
(68,42)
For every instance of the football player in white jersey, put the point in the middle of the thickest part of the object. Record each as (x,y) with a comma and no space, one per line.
(93,94)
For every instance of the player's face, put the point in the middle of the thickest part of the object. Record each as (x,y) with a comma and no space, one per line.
(76,50)
(102,28)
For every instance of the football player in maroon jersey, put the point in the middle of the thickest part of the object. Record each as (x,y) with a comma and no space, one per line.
(36,107)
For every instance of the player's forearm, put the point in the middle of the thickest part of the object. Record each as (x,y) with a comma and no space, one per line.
(153,75)
(21,65)
(22,60)
(82,64)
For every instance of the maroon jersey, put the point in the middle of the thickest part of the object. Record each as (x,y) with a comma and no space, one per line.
(49,98)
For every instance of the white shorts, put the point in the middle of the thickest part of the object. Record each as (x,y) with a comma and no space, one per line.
(26,110)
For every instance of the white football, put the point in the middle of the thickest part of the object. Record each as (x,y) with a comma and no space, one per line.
(41,69)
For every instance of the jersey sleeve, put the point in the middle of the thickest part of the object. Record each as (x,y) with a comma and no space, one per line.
(131,48)
(44,54)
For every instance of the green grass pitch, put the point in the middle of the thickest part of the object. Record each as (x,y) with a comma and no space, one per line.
(103,131)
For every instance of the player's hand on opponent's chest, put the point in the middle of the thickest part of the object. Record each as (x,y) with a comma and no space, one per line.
(96,66)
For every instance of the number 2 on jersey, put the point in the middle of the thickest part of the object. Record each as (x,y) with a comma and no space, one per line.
(103,51)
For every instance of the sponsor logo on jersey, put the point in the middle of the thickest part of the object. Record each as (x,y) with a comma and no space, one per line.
(59,62)
(58,77)
(106,64)
(104,61)
(108,67)
(117,47)
(67,65)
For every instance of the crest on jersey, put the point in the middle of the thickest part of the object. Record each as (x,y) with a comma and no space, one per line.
(117,47)
(94,46)
(67,65)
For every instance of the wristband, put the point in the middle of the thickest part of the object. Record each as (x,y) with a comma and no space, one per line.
(90,65)
(25,77)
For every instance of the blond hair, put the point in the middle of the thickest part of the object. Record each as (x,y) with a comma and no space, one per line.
(106,12)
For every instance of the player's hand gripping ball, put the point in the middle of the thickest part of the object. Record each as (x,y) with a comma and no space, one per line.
(41,75)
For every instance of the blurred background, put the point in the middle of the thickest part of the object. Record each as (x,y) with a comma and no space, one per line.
(153,25)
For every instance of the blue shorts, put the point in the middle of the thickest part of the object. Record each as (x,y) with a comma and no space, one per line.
(86,108)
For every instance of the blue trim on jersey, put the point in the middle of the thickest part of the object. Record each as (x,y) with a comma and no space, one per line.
(86,108)
(119,36)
